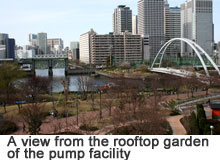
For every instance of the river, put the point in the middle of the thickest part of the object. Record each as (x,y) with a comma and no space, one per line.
(59,75)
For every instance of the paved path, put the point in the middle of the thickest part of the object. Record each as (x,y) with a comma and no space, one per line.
(176,125)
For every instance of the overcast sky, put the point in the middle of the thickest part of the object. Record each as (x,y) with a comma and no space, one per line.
(67,19)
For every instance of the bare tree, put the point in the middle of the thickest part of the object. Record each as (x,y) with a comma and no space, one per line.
(85,85)
(36,86)
(33,116)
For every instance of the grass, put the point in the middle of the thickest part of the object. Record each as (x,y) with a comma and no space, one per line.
(84,106)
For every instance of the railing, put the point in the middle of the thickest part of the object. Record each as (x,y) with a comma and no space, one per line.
(182,105)
(46,56)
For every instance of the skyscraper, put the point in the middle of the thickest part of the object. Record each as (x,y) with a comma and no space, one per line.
(33,39)
(172,28)
(11,48)
(197,25)
(134,24)
(3,45)
(7,46)
(151,25)
(55,45)
(122,19)
(74,47)
(42,43)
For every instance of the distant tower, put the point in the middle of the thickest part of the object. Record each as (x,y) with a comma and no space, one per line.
(33,39)
(172,28)
(7,47)
(74,47)
(122,19)
(42,43)
(3,45)
(197,25)
(151,25)
(134,24)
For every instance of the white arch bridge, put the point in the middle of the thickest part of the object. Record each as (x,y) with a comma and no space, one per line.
(182,73)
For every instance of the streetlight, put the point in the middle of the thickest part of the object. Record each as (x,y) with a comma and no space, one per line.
(77,111)
(211,127)
(100,103)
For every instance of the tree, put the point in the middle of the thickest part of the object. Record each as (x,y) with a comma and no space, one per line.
(66,84)
(35,86)
(9,73)
(84,85)
(192,83)
(33,116)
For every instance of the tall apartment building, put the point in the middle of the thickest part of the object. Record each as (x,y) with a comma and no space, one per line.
(74,47)
(134,24)
(122,19)
(55,45)
(121,48)
(7,46)
(84,45)
(42,43)
(197,25)
(172,28)
(151,25)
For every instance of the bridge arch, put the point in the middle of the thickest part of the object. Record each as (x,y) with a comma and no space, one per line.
(198,50)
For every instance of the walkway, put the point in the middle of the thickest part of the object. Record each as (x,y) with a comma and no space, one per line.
(176,125)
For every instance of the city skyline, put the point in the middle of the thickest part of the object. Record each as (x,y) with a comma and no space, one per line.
(68,19)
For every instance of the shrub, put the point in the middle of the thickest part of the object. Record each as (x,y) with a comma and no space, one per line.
(194,127)
(7,127)
(86,127)
(201,118)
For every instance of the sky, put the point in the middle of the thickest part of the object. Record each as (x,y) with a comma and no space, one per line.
(68,19)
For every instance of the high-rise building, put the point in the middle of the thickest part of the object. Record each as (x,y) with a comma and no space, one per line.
(172,28)
(25,52)
(197,25)
(55,45)
(74,47)
(134,24)
(42,43)
(151,25)
(122,19)
(11,48)
(84,47)
(3,45)
(118,48)
(7,47)
(33,39)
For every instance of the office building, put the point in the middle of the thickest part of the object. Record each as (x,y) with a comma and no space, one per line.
(11,48)
(84,47)
(42,43)
(55,45)
(197,25)
(25,52)
(3,45)
(172,28)
(7,47)
(134,24)
(74,47)
(33,39)
(119,48)
(122,19)
(151,26)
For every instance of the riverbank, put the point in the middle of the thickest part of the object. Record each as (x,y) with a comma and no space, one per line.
(116,76)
